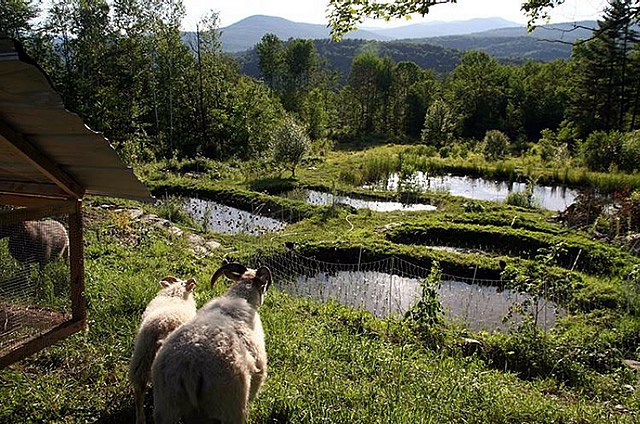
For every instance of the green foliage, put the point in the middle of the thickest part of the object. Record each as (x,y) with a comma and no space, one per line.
(439,124)
(523,199)
(496,145)
(601,150)
(552,149)
(426,314)
(290,144)
(630,152)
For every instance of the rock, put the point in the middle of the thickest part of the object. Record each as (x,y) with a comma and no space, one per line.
(212,245)
(162,223)
(632,364)
(195,240)
(176,231)
(199,251)
(135,213)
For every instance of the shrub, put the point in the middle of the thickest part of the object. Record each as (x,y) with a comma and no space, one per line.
(290,144)
(496,144)
(630,152)
(551,148)
(601,150)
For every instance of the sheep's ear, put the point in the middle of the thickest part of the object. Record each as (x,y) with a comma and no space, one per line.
(166,281)
(263,276)
(190,284)
(231,271)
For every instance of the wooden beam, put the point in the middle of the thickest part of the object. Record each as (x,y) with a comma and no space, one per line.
(14,199)
(76,263)
(33,189)
(16,216)
(38,160)
(37,344)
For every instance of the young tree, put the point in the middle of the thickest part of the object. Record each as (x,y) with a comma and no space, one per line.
(439,124)
(290,144)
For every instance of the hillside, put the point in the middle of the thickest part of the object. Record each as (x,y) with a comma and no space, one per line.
(439,29)
(545,43)
(245,34)
(512,48)
(340,55)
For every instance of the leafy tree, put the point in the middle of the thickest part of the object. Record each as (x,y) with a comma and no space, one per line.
(496,145)
(630,152)
(478,88)
(439,124)
(290,144)
(16,17)
(601,150)
(271,60)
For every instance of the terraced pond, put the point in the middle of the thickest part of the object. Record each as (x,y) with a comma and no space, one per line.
(555,198)
(479,307)
(320,198)
(228,220)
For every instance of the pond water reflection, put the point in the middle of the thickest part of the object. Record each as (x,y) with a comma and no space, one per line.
(480,307)
(554,198)
(229,220)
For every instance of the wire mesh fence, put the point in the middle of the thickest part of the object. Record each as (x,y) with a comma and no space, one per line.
(392,285)
(34,274)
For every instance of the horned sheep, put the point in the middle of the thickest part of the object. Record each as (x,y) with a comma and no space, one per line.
(212,367)
(171,307)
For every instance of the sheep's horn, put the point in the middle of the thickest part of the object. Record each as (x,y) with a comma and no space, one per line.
(232,271)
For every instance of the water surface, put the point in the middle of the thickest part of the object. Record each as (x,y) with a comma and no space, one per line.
(321,198)
(480,307)
(228,220)
(554,198)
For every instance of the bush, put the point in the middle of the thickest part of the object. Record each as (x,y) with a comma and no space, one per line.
(496,144)
(551,148)
(601,150)
(630,152)
(290,144)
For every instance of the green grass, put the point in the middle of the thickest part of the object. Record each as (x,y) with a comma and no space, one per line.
(328,363)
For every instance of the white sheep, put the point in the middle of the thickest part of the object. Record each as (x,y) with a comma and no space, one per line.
(173,306)
(212,367)
(37,241)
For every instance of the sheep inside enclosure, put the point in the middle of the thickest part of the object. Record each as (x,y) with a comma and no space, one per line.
(35,273)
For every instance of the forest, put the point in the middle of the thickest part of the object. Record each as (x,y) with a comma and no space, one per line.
(188,99)
(338,161)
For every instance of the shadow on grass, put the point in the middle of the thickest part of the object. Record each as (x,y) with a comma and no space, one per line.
(273,185)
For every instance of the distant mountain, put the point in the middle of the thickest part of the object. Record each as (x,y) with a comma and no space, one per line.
(439,29)
(545,43)
(245,34)
(567,31)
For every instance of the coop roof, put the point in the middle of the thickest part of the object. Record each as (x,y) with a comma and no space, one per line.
(45,150)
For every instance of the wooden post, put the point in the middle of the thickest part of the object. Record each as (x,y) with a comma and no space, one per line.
(76,263)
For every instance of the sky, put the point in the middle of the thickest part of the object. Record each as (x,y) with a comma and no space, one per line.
(311,11)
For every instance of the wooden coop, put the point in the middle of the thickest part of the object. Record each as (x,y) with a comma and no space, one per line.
(49,160)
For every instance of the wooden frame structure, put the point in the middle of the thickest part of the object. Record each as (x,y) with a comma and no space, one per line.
(49,160)
(45,208)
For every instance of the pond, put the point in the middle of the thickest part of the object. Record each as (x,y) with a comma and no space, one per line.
(479,307)
(228,220)
(555,198)
(320,198)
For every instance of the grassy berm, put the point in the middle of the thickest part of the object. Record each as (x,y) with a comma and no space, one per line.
(327,363)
